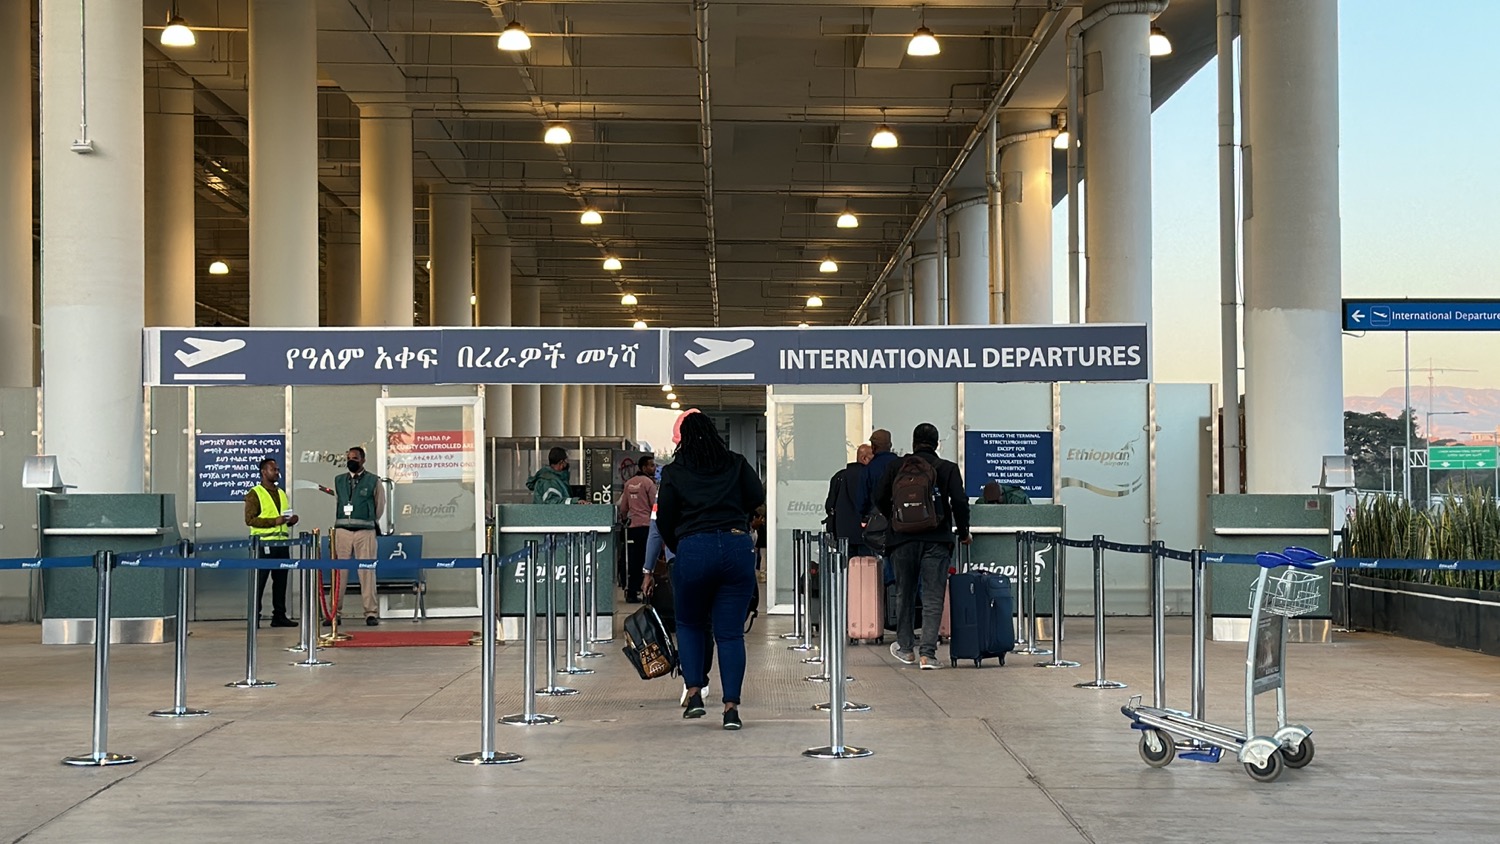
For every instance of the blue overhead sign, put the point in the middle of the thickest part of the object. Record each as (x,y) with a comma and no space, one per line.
(1422,314)
(323,356)
(904,355)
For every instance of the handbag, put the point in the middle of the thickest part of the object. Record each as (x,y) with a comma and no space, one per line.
(649,646)
(877,534)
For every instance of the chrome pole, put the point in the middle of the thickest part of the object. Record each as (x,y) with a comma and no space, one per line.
(837,619)
(1158,627)
(1023,626)
(104,562)
(799,580)
(552,689)
(590,598)
(306,629)
(179,649)
(1026,572)
(801,552)
(310,611)
(826,620)
(573,617)
(848,705)
(488,635)
(1099,682)
(1200,657)
(594,637)
(1059,583)
(528,716)
(252,613)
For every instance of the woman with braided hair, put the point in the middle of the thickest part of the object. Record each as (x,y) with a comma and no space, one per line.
(708,494)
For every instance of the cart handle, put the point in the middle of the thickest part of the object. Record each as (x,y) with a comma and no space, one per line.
(1298,558)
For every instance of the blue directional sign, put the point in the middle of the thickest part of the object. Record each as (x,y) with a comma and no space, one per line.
(1422,314)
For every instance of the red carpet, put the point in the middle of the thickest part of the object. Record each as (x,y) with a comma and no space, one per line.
(408,639)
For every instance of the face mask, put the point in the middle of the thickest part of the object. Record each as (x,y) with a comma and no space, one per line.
(354,466)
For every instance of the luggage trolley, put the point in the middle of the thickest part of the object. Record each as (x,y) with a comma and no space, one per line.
(1286,587)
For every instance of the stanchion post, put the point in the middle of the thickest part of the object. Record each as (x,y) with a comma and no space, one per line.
(1099,682)
(1200,657)
(590,598)
(574,607)
(1059,583)
(594,637)
(528,716)
(802,561)
(1023,631)
(252,613)
(179,648)
(843,641)
(1026,574)
(310,611)
(550,581)
(486,755)
(1158,626)
(309,627)
(838,620)
(799,597)
(825,612)
(99,756)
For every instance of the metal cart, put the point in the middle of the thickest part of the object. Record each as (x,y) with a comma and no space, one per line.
(1287,587)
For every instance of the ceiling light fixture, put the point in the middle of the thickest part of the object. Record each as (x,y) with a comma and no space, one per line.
(828,266)
(801,325)
(177,33)
(640,323)
(473,300)
(884,137)
(1159,44)
(218,268)
(1061,141)
(671,397)
(815,301)
(628,300)
(923,43)
(590,217)
(513,39)
(611,263)
(676,406)
(847,220)
(558,135)
(666,388)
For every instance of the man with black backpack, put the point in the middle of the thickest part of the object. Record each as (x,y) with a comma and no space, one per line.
(923,497)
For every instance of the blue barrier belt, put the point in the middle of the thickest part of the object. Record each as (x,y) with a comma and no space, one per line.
(242,563)
(1365,564)
(14,563)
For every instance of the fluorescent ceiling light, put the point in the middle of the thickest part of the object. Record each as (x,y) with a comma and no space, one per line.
(218,268)
(923,43)
(612,263)
(884,138)
(177,33)
(815,301)
(847,220)
(558,135)
(628,300)
(828,266)
(590,217)
(513,39)
(1159,44)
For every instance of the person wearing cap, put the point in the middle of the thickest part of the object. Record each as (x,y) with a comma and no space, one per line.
(550,483)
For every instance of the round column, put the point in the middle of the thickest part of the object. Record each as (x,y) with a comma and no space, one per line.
(93,246)
(526,399)
(925,296)
(17,343)
(573,411)
(590,424)
(610,407)
(1293,351)
(170,248)
(1117,146)
(968,259)
(341,262)
(451,233)
(494,285)
(1026,225)
(283,113)
(385,215)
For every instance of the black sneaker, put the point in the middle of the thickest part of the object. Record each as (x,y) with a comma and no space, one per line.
(282,621)
(694,708)
(372,621)
(732,719)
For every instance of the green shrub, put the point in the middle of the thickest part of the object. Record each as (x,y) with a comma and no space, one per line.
(1463,527)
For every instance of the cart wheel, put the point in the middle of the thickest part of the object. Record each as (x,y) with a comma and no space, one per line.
(1158,757)
(1300,757)
(1002,659)
(879,640)
(1265,773)
(953,663)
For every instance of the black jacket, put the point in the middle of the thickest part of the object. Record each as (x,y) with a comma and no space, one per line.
(692,501)
(953,500)
(844,518)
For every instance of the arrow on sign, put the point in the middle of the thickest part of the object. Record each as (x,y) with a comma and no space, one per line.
(1358,316)
(1444,464)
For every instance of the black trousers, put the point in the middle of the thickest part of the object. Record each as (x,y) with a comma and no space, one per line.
(278,580)
(636,561)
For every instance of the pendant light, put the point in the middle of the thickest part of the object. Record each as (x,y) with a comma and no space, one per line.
(666,388)
(558,135)
(923,42)
(177,33)
(1159,44)
(815,301)
(590,217)
(218,268)
(640,323)
(847,220)
(513,39)
(611,263)
(884,137)
(629,300)
(828,266)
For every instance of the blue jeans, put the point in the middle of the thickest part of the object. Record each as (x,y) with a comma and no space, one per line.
(925,563)
(713,579)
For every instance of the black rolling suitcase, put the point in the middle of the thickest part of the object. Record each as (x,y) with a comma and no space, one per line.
(982,616)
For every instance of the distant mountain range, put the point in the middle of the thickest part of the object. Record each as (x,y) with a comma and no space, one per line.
(1481,410)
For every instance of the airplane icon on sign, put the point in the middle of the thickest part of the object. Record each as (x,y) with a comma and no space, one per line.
(207,350)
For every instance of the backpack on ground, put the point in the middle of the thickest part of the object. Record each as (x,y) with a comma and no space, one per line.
(914,497)
(648,645)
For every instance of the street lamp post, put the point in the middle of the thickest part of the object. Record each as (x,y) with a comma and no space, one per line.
(1427,432)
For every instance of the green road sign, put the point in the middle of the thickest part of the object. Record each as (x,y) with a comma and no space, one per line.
(1463,457)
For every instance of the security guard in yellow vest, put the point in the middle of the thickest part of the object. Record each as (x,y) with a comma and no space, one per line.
(269,515)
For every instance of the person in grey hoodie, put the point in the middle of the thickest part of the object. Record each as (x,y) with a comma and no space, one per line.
(550,484)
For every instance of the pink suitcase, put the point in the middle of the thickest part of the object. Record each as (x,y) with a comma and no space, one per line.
(866,601)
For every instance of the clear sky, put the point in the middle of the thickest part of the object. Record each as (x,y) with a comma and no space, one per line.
(1420,196)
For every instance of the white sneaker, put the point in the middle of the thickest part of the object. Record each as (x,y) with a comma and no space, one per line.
(903,657)
(930,663)
(682,701)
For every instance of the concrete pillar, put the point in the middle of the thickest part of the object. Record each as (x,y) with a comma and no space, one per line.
(385,215)
(924,279)
(609,406)
(526,399)
(1293,353)
(17,343)
(573,410)
(1117,150)
(591,427)
(170,248)
(968,259)
(1026,225)
(494,285)
(93,246)
(341,263)
(283,112)
(450,221)
(898,301)
(555,419)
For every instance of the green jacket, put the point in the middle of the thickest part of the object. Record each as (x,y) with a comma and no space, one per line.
(363,495)
(549,486)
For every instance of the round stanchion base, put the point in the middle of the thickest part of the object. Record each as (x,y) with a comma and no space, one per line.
(296,649)
(791,636)
(327,639)
(575,671)
(1100,684)
(496,758)
(845,752)
(1058,663)
(178,713)
(312,663)
(609,641)
(556,691)
(849,706)
(250,684)
(103,760)
(588,655)
(823,678)
(812,660)
(1031,650)
(803,648)
(520,720)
